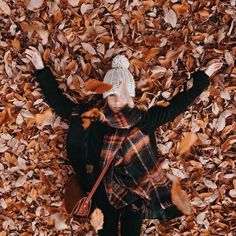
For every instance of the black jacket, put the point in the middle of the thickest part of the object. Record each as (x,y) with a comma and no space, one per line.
(84,145)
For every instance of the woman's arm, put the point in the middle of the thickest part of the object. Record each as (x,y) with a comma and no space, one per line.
(62,105)
(157,116)
(54,96)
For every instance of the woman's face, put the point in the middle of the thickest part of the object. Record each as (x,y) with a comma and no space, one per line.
(116,102)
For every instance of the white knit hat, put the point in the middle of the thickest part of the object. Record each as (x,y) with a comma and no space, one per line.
(117,74)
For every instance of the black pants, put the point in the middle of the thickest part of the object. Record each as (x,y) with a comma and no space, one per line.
(130,221)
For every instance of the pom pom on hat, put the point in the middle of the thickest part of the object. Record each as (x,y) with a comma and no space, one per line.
(117,74)
(120,61)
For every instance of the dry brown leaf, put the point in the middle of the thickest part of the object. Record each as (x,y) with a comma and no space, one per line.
(73,3)
(3,233)
(46,54)
(93,85)
(180,198)
(5,8)
(40,118)
(44,34)
(187,142)
(180,9)
(16,44)
(88,47)
(92,114)
(57,16)
(34,4)
(229,58)
(71,65)
(189,63)
(203,14)
(97,219)
(150,54)
(3,115)
(170,17)
(33,194)
(162,103)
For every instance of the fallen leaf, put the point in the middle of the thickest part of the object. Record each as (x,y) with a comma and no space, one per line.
(16,44)
(97,86)
(34,4)
(180,9)
(2,117)
(5,8)
(73,3)
(90,115)
(229,58)
(44,34)
(170,17)
(187,142)
(97,219)
(88,47)
(40,118)
(180,198)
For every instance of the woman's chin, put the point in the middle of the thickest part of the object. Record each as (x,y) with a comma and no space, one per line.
(116,109)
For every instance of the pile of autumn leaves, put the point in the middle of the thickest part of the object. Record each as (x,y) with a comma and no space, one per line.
(164,40)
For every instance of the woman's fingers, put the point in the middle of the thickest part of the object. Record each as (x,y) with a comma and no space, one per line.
(29,52)
(29,57)
(34,49)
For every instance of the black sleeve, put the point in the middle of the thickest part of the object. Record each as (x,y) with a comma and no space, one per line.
(54,96)
(157,115)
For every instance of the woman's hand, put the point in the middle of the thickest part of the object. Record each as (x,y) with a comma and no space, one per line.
(214,66)
(35,57)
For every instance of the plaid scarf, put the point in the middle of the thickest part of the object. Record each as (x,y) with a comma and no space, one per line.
(135,172)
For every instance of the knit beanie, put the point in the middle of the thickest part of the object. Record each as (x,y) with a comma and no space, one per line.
(118,73)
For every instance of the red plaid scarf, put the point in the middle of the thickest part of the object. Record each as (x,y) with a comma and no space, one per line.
(136,171)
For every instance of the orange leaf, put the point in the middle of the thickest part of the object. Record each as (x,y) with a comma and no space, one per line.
(180,198)
(137,63)
(162,103)
(3,115)
(180,9)
(186,143)
(189,62)
(16,44)
(105,39)
(57,16)
(90,115)
(96,86)
(151,54)
(46,54)
(203,13)
(71,65)
(151,40)
(33,194)
(40,118)
(165,63)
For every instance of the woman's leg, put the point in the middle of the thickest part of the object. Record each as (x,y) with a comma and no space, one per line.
(131,222)
(111,215)
(110,226)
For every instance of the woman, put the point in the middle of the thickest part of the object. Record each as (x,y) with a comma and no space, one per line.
(135,185)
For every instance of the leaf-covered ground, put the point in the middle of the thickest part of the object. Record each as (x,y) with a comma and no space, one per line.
(164,40)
